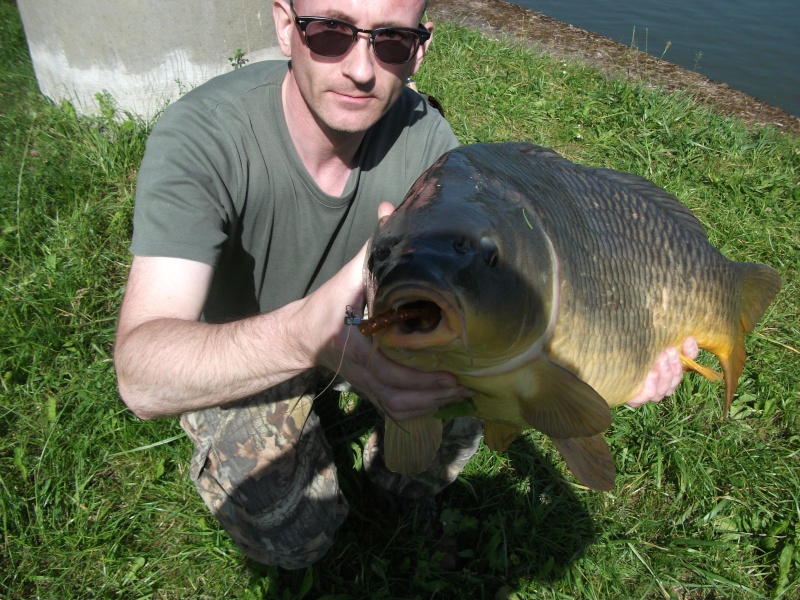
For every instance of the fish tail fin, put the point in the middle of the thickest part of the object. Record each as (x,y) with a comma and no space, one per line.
(759,287)
(498,436)
(732,367)
(410,446)
(590,461)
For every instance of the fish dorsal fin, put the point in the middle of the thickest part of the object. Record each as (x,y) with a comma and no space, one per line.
(409,446)
(590,461)
(498,436)
(657,196)
(557,403)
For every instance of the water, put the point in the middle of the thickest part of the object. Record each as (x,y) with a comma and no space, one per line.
(752,46)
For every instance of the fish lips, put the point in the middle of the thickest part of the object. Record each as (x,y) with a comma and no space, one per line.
(416,333)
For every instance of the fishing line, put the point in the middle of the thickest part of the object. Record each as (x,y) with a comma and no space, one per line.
(350,319)
(350,314)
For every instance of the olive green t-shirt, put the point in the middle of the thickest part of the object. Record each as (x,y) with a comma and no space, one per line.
(221,183)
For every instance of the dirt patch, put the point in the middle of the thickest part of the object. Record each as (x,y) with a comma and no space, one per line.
(497,19)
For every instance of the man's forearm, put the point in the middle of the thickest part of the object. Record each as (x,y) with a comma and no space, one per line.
(170,366)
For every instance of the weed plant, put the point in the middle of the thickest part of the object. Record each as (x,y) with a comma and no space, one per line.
(97,504)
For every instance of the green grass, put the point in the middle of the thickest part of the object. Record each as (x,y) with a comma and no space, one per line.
(97,504)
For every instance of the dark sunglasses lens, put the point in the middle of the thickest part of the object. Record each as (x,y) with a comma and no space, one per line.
(395,47)
(329,38)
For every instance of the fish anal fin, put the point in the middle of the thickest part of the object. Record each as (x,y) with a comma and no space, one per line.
(730,353)
(707,372)
(498,436)
(409,446)
(557,403)
(590,461)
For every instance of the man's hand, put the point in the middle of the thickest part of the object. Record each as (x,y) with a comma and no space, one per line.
(399,391)
(663,380)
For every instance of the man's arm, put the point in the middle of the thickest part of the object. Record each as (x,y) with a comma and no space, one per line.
(169,362)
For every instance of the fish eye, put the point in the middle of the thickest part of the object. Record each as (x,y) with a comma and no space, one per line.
(490,252)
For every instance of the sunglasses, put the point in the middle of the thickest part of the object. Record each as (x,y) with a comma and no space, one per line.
(331,37)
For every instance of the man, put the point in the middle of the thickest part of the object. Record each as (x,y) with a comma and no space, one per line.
(255,197)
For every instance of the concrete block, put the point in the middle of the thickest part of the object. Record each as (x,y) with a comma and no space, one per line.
(143,53)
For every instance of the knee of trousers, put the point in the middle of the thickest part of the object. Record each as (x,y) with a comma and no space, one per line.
(293,531)
(268,477)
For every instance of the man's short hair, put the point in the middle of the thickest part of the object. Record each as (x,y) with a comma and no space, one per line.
(424,6)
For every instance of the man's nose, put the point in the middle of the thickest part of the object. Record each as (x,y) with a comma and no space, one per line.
(360,61)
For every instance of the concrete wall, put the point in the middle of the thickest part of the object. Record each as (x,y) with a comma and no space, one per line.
(142,52)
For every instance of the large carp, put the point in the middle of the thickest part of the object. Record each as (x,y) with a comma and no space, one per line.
(549,289)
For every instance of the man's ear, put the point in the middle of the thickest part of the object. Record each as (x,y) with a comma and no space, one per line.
(284,22)
(423,48)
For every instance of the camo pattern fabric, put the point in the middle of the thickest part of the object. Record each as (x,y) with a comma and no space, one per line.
(265,470)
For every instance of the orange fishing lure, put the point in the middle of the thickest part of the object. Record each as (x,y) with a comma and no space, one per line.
(395,315)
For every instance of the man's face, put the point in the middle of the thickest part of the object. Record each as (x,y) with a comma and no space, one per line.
(348,93)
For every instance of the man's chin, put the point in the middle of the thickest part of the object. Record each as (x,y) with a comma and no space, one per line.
(353,121)
(350,126)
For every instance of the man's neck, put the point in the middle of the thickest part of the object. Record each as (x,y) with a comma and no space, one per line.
(328,156)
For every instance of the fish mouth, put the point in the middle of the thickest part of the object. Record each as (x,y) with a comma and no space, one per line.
(415,317)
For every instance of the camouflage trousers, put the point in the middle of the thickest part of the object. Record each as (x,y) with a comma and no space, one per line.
(265,470)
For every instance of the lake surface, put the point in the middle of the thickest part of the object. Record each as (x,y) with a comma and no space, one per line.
(752,46)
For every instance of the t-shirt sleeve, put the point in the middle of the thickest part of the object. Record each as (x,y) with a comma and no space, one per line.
(186,187)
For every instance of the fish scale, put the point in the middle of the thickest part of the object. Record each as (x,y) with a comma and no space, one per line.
(553,289)
(629,279)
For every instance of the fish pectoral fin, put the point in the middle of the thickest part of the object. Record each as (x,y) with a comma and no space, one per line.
(559,404)
(409,446)
(498,436)
(590,461)
(707,372)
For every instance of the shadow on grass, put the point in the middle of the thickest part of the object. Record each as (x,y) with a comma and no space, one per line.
(516,521)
